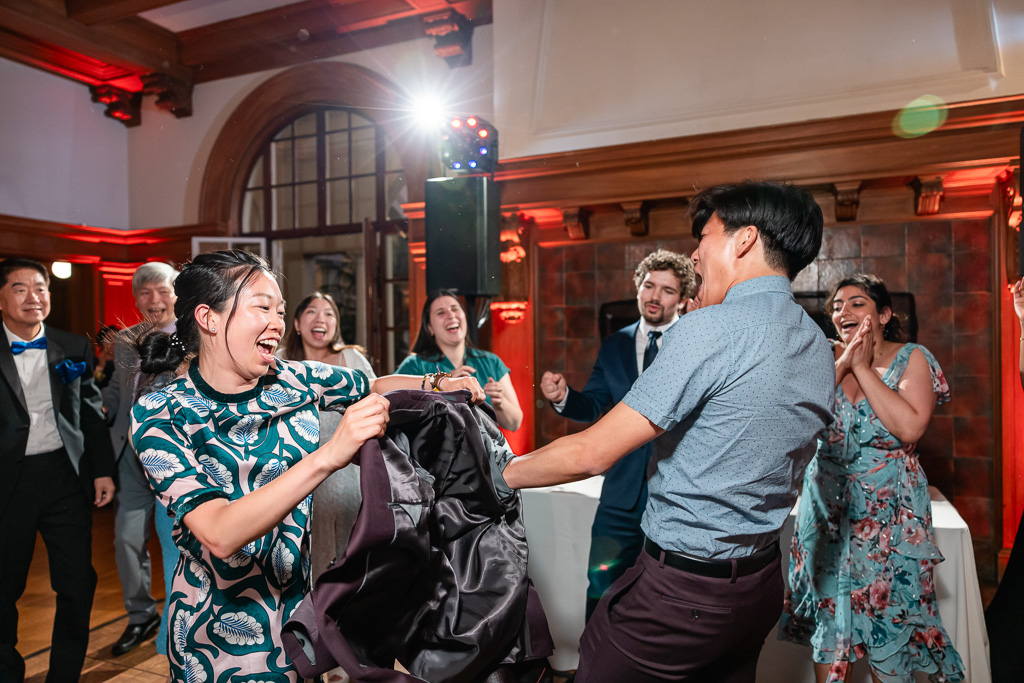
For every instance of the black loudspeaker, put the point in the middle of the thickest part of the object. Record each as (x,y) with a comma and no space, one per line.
(463,224)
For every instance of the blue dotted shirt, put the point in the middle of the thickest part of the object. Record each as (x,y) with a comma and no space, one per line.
(742,389)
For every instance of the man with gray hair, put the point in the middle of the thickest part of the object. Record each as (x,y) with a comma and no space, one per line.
(153,289)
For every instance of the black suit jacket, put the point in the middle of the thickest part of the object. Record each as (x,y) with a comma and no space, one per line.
(77,405)
(611,379)
(434,574)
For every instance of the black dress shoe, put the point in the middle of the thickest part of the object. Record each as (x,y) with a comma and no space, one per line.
(135,634)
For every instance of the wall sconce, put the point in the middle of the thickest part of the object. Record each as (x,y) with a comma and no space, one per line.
(509,311)
(61,270)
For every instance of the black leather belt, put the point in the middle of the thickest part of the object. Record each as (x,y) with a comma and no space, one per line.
(716,569)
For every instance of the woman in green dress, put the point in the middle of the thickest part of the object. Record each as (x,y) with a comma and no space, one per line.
(232,448)
(442,346)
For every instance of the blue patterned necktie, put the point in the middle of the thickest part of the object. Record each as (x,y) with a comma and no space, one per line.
(18,347)
(652,348)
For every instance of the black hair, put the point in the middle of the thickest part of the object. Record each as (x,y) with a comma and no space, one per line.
(787,219)
(211,279)
(876,290)
(425,345)
(106,332)
(293,349)
(8,266)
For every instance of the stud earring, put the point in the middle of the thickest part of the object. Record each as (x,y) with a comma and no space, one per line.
(213,330)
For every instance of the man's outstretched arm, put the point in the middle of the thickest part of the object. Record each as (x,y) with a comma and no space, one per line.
(586,454)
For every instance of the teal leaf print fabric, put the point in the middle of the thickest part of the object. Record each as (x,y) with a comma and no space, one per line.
(860,572)
(196,445)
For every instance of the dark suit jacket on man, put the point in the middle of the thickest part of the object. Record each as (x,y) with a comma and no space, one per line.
(77,405)
(119,395)
(611,379)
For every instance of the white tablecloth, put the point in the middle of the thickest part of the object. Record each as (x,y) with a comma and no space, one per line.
(558,522)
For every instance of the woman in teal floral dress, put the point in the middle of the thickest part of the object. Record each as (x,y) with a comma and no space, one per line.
(863,550)
(232,448)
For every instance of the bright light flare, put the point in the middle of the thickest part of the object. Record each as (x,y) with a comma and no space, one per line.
(922,116)
(428,112)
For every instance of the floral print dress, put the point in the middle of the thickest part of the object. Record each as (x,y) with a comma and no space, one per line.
(196,445)
(860,571)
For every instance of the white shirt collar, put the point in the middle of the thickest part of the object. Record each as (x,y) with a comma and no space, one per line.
(11,337)
(645,327)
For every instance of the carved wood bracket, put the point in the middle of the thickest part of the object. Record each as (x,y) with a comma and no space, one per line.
(928,194)
(847,200)
(637,218)
(577,222)
(122,105)
(453,37)
(172,94)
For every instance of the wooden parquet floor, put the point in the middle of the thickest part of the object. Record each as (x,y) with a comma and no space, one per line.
(36,611)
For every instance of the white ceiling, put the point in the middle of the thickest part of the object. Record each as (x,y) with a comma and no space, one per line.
(182,16)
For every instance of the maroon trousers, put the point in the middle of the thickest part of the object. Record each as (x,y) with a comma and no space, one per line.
(658,623)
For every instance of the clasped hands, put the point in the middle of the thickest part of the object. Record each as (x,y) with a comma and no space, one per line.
(859,352)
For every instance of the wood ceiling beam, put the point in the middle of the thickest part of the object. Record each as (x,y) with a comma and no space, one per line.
(135,44)
(310,30)
(48,57)
(91,12)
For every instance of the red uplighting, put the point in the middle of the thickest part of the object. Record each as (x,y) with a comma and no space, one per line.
(483,132)
(471,121)
(457,123)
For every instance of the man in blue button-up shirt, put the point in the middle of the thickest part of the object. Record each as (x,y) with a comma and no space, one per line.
(738,394)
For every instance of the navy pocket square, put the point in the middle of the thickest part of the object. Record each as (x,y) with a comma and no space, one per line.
(70,371)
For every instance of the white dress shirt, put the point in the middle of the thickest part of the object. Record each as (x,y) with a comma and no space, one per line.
(642,331)
(43,436)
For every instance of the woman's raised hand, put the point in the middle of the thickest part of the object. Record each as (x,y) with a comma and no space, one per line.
(367,419)
(1018,300)
(468,383)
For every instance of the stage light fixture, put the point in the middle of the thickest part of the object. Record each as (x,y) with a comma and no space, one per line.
(469,144)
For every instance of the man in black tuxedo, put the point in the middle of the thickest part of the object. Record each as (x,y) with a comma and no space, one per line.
(56,460)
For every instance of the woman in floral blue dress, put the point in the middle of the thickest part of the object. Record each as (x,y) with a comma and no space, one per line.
(863,550)
(232,448)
